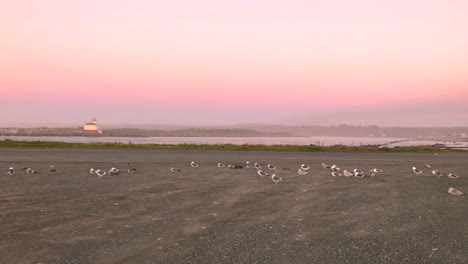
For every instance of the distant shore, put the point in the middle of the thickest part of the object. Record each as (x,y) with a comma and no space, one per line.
(223,147)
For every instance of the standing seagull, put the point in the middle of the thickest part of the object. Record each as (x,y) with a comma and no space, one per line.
(247,165)
(302,172)
(276,179)
(193,164)
(417,171)
(52,168)
(11,171)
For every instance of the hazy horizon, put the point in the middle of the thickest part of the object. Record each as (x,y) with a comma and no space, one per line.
(386,63)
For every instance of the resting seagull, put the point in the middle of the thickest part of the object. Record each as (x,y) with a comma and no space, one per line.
(417,171)
(113,171)
(304,167)
(302,172)
(359,174)
(92,171)
(335,168)
(257,166)
(52,168)
(175,170)
(271,167)
(335,174)
(100,173)
(30,171)
(193,164)
(262,174)
(221,165)
(276,179)
(347,174)
(453,176)
(438,173)
(325,166)
(427,166)
(11,171)
(454,192)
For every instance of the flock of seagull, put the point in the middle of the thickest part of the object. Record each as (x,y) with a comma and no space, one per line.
(269,171)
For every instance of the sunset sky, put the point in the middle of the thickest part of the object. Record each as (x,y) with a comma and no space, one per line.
(385,62)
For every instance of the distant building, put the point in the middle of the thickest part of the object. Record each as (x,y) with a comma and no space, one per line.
(92,127)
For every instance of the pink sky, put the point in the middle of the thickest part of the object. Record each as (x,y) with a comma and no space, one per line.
(222,62)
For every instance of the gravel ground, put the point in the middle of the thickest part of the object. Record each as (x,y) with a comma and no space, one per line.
(220,215)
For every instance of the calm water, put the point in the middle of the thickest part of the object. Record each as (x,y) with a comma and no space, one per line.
(325,141)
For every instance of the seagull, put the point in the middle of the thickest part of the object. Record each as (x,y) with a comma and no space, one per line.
(452,176)
(230,166)
(347,174)
(302,172)
(113,171)
(438,173)
(193,164)
(271,167)
(417,171)
(100,173)
(372,173)
(11,171)
(92,171)
(262,174)
(221,165)
(257,166)
(23,167)
(427,166)
(377,170)
(358,171)
(131,169)
(335,168)
(335,174)
(454,192)
(175,170)
(276,179)
(304,167)
(247,165)
(30,171)
(359,174)
(325,166)
(52,168)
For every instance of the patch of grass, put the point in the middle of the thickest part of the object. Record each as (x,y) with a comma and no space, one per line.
(224,147)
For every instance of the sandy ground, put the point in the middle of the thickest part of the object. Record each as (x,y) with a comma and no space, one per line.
(216,215)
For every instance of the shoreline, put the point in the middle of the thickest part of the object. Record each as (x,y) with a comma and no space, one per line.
(225,147)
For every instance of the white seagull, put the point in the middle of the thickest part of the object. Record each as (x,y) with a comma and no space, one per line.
(262,174)
(438,173)
(304,167)
(30,171)
(271,167)
(347,174)
(175,170)
(92,171)
(335,168)
(427,166)
(113,171)
(221,165)
(193,164)
(257,166)
(417,171)
(335,174)
(452,176)
(276,179)
(302,172)
(451,190)
(100,173)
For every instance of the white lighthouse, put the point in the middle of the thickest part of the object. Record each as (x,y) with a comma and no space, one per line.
(92,127)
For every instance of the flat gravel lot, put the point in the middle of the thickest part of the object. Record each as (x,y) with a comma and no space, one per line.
(220,215)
